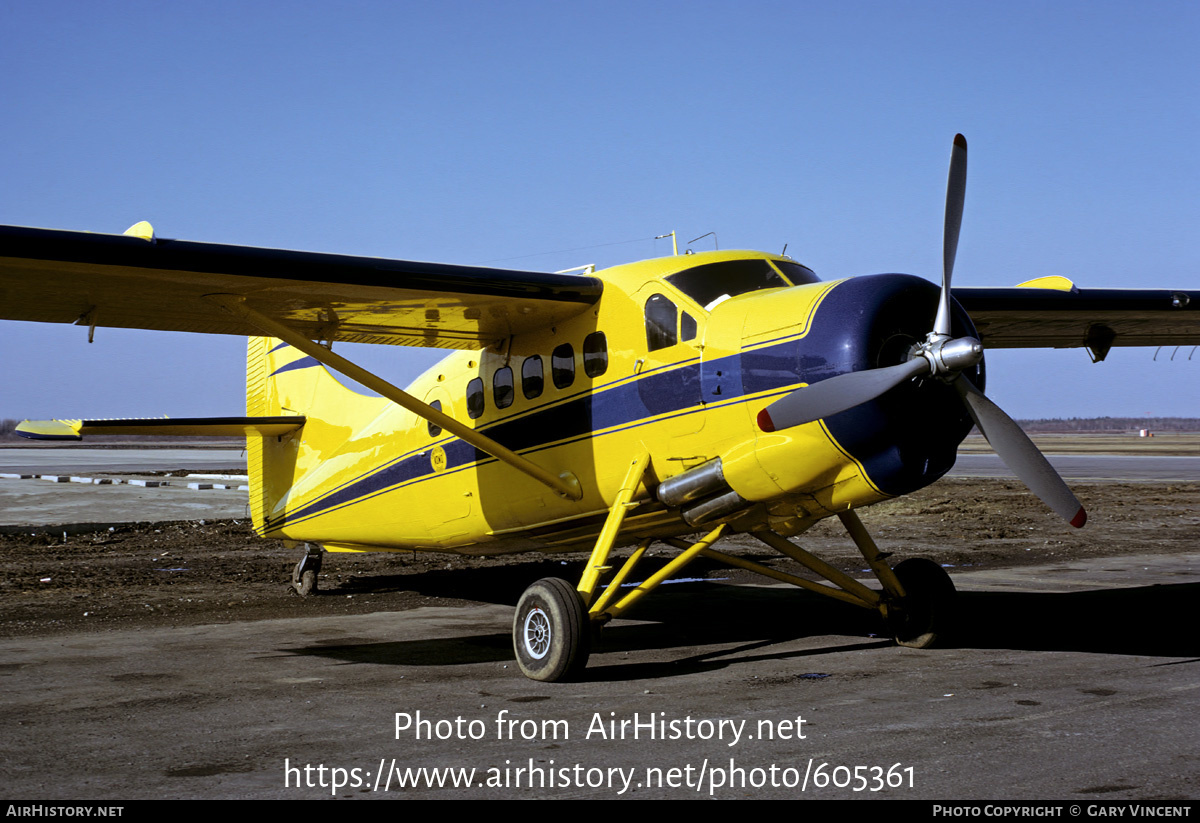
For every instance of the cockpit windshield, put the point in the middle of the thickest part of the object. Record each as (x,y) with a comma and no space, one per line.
(716,282)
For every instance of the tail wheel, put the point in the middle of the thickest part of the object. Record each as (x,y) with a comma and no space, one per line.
(304,576)
(304,582)
(926,613)
(550,631)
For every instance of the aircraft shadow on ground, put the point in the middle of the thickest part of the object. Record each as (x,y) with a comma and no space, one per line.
(714,624)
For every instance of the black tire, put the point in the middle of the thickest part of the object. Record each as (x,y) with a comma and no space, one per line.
(550,631)
(926,613)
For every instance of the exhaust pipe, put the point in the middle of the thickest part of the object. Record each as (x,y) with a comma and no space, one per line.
(714,508)
(703,481)
(705,487)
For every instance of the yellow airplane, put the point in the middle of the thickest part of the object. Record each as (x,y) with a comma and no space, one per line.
(711,394)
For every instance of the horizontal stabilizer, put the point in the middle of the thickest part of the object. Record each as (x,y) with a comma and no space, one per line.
(161,427)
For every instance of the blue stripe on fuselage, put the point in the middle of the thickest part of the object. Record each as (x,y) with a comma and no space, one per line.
(633,402)
(836,342)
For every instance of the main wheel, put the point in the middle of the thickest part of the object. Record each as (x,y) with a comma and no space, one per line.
(550,631)
(926,612)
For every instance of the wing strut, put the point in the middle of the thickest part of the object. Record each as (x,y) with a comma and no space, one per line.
(566,484)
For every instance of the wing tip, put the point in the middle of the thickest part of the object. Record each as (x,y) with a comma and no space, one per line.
(1079,519)
(764,421)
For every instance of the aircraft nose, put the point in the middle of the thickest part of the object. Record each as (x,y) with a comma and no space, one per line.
(907,436)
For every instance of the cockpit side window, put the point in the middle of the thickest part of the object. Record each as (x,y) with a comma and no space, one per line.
(660,323)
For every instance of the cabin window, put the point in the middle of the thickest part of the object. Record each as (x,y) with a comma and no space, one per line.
(502,388)
(595,354)
(434,431)
(710,285)
(687,326)
(475,398)
(562,366)
(531,377)
(660,323)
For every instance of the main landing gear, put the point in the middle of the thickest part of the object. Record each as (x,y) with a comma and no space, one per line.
(555,620)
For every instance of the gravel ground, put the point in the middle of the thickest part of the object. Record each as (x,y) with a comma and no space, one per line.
(192,573)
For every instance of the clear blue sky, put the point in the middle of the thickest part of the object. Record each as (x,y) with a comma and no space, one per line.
(475,132)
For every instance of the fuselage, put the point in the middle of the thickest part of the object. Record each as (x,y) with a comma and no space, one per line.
(676,359)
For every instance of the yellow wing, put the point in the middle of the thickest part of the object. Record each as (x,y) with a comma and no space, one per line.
(138,281)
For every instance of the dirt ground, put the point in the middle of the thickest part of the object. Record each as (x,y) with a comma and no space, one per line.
(191,573)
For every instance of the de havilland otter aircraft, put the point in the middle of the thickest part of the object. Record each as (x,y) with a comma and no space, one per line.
(707,394)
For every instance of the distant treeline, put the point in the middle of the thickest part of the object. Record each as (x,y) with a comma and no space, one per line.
(1113,424)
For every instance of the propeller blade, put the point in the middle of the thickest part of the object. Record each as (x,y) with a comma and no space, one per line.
(1019,454)
(956,193)
(836,394)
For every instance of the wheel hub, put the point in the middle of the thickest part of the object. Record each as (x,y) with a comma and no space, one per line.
(537,633)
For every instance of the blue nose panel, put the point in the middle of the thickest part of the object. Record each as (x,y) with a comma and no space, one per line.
(907,438)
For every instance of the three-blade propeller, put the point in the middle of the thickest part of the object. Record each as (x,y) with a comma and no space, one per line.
(945,358)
